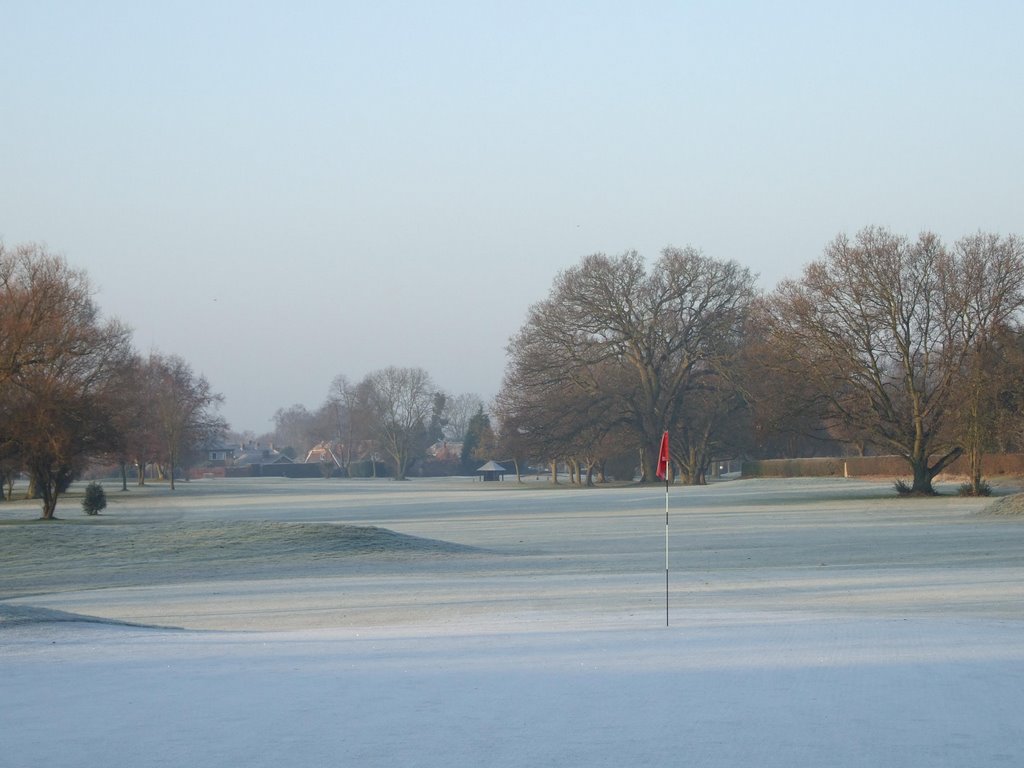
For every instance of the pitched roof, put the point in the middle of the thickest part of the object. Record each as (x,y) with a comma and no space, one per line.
(262,456)
(492,466)
(322,452)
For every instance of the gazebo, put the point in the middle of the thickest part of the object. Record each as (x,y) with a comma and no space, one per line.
(491,471)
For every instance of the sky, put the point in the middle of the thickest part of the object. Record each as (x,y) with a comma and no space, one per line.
(284,192)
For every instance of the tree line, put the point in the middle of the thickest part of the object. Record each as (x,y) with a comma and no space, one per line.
(391,416)
(72,389)
(884,344)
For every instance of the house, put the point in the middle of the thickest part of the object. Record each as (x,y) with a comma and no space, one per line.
(221,455)
(445,451)
(324,453)
(252,454)
(256,461)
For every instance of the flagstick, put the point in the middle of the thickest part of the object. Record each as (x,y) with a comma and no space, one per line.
(666,549)
(664,467)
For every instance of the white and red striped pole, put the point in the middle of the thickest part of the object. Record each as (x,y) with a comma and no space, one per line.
(663,462)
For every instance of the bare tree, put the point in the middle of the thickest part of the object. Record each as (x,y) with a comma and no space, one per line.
(552,417)
(785,419)
(139,441)
(58,359)
(348,413)
(511,439)
(988,281)
(337,409)
(185,406)
(297,429)
(882,331)
(616,340)
(402,402)
(458,413)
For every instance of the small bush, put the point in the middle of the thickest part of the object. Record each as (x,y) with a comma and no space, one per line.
(95,499)
(968,489)
(906,491)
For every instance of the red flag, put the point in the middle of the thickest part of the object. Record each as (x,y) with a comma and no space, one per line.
(663,458)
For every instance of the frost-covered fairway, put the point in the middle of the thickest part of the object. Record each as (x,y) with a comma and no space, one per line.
(298,623)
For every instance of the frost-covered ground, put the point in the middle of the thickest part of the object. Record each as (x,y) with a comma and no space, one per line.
(445,622)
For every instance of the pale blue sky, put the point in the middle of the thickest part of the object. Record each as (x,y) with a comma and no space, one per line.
(281,192)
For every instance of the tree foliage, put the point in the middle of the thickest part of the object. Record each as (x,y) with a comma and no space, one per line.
(95,499)
(479,443)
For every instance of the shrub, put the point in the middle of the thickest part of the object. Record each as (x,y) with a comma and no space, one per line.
(968,489)
(95,499)
(906,491)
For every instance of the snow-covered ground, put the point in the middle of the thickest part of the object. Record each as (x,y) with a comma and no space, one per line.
(452,623)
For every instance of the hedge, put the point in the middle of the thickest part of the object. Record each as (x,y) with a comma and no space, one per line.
(992,465)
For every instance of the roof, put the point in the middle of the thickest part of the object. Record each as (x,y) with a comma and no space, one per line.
(322,452)
(492,466)
(264,456)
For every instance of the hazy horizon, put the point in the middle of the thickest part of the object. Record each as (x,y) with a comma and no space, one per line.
(280,194)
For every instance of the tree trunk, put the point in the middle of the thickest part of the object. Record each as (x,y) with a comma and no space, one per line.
(49,506)
(922,478)
(46,486)
(401,459)
(648,466)
(923,474)
(975,471)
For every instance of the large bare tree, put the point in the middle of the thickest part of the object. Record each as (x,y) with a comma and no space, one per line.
(883,330)
(58,361)
(615,339)
(989,272)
